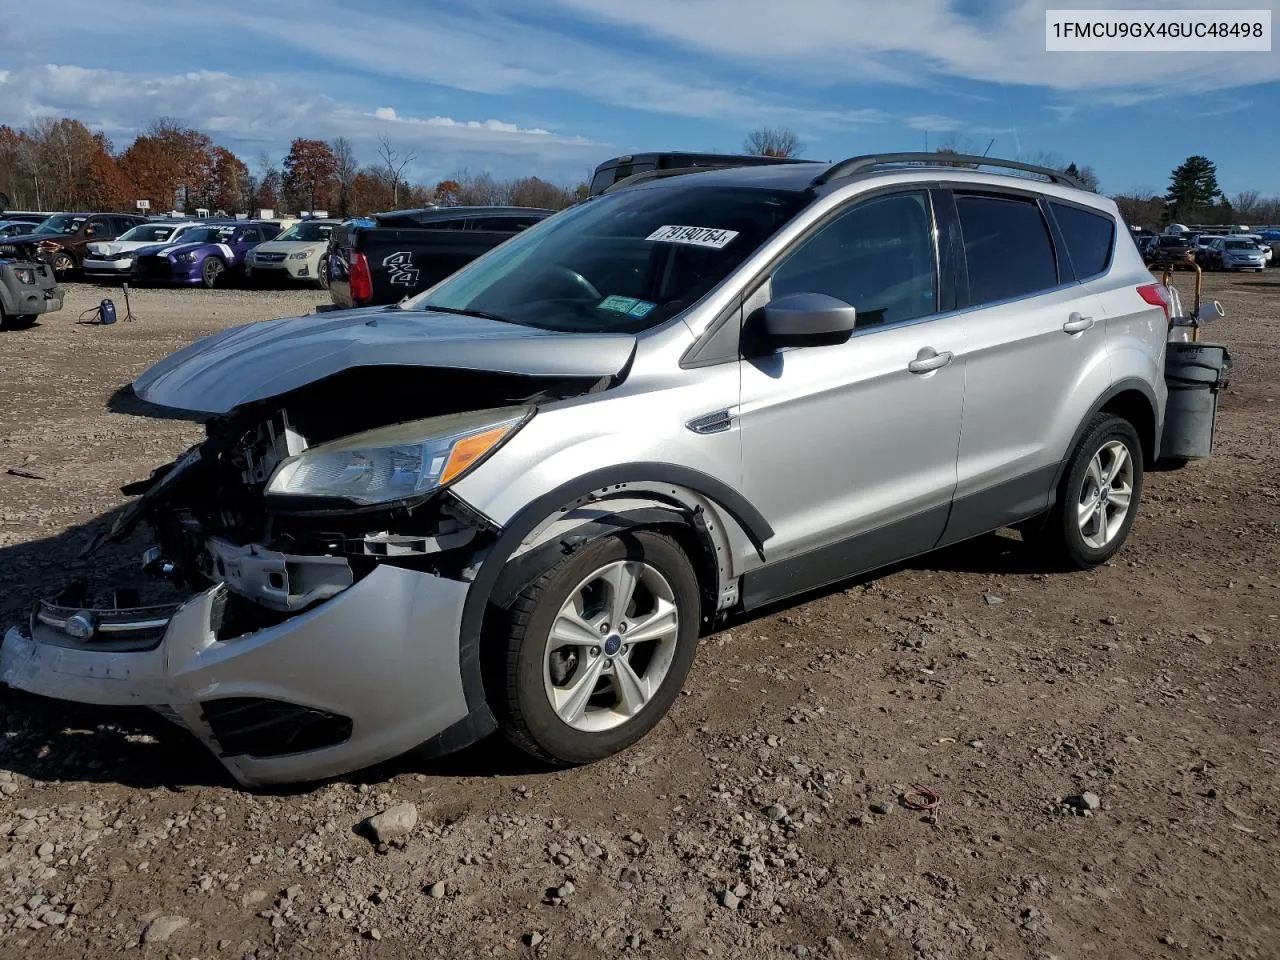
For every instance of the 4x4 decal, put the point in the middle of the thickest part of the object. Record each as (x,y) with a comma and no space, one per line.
(400,268)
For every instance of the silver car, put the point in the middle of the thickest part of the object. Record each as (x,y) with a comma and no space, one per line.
(515,501)
(1237,253)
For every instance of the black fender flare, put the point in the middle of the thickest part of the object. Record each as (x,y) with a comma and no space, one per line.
(480,720)
(1120,386)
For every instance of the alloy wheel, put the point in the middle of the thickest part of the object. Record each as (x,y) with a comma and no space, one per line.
(1106,494)
(610,646)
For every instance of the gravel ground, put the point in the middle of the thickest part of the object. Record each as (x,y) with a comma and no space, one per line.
(1105,744)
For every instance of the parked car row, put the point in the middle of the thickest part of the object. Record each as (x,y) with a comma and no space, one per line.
(1209,251)
(199,252)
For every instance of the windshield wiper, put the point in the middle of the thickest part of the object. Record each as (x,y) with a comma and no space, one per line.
(482,314)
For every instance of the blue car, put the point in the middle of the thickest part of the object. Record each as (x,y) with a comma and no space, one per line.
(204,256)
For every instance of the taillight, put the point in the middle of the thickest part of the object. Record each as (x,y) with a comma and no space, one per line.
(360,279)
(1156,295)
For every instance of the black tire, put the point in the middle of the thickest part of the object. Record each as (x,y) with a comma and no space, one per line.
(1060,539)
(528,718)
(211,271)
(64,264)
(9,321)
(322,274)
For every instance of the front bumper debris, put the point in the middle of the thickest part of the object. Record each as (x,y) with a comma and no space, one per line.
(357,679)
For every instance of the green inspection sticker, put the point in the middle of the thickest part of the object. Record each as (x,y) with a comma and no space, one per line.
(628,305)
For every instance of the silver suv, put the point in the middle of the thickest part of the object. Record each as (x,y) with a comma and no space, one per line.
(516,500)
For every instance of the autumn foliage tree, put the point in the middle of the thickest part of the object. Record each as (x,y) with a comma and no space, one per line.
(309,173)
(60,164)
(170,165)
(108,188)
(228,187)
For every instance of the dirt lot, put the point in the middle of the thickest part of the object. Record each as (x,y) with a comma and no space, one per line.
(747,824)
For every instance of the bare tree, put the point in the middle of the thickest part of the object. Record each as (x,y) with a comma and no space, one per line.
(393,163)
(772,142)
(345,170)
(1247,204)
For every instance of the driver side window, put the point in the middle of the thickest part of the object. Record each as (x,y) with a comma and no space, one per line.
(877,256)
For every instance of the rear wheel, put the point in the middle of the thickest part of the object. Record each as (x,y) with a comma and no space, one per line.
(1098,499)
(598,648)
(211,272)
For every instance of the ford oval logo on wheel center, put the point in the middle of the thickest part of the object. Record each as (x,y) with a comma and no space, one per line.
(612,645)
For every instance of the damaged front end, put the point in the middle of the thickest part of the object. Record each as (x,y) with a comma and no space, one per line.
(324,562)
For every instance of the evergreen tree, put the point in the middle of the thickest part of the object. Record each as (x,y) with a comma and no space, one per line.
(1192,186)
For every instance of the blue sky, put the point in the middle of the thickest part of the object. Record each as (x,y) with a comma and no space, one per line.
(552,87)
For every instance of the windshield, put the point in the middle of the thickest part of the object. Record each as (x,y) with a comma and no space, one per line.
(308,232)
(60,223)
(207,234)
(149,232)
(1241,245)
(619,263)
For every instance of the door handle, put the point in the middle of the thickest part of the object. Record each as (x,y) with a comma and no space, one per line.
(1077,324)
(928,360)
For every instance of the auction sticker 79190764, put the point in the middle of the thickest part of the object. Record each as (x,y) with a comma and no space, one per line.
(694,236)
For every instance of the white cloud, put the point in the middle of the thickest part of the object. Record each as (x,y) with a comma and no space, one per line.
(934,122)
(264,114)
(915,42)
(476,50)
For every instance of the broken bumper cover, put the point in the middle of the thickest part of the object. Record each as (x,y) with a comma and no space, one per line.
(358,679)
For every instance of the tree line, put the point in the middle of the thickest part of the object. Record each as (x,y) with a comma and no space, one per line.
(60,164)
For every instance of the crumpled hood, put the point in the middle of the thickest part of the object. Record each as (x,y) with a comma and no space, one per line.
(272,357)
(106,247)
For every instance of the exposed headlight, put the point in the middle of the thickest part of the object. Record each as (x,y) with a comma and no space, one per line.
(25,276)
(189,257)
(398,462)
(301,255)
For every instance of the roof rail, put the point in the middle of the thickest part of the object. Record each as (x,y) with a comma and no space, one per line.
(646,175)
(870,161)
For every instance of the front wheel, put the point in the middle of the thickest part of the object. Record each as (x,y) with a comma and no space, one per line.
(1098,499)
(64,264)
(212,272)
(598,648)
(9,321)
(322,275)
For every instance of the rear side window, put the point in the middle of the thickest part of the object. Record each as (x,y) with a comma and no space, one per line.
(500,224)
(1089,238)
(602,180)
(1007,247)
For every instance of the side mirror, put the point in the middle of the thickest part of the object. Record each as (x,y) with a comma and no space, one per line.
(807,320)
(89,232)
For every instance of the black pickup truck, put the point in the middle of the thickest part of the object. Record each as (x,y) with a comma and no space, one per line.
(27,289)
(395,255)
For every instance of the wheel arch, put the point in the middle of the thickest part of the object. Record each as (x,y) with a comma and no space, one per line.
(625,496)
(1133,400)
